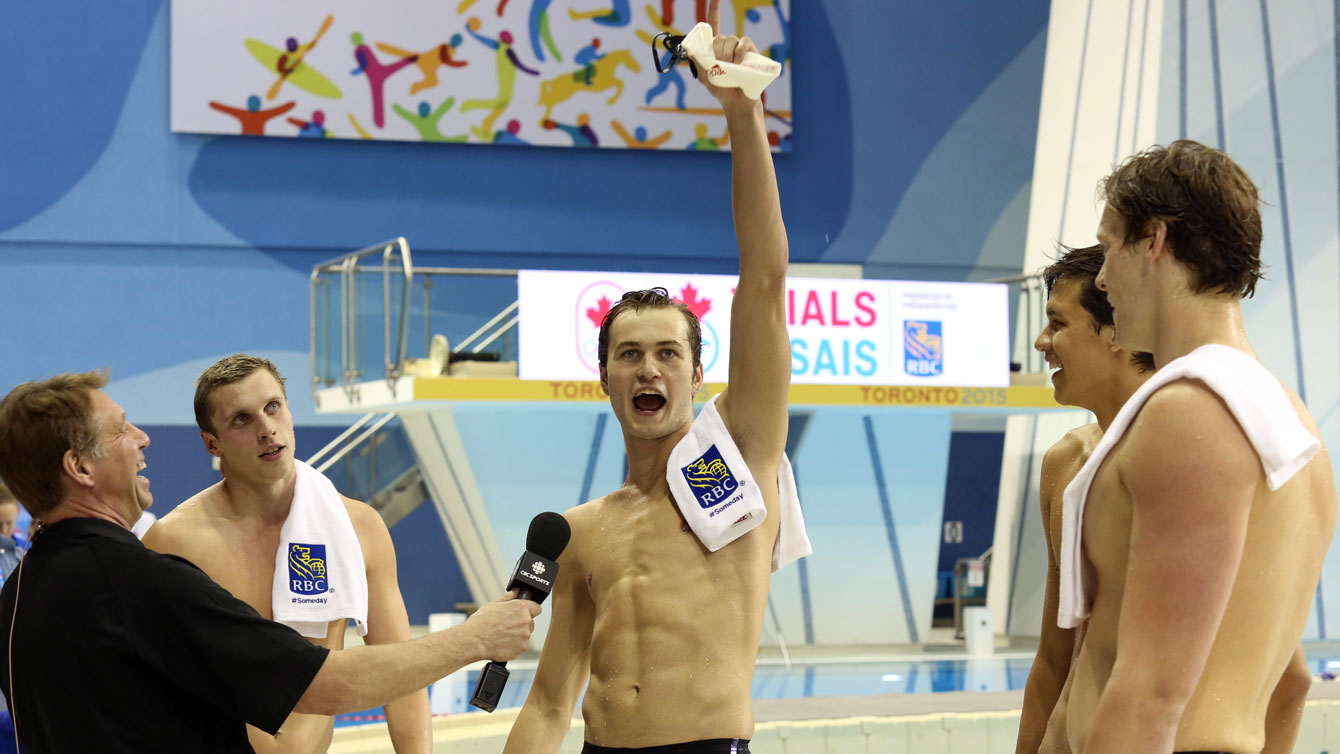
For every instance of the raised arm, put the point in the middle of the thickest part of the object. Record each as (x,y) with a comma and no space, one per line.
(394,51)
(1191,475)
(516,61)
(623,133)
(236,112)
(280,110)
(1056,644)
(492,44)
(442,109)
(408,719)
(754,405)
(659,140)
(565,664)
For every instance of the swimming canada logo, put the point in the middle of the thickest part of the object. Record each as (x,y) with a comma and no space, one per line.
(307,569)
(923,347)
(710,478)
(537,567)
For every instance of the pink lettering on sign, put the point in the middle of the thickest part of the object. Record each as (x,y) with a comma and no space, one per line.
(838,309)
(838,321)
(813,310)
(863,301)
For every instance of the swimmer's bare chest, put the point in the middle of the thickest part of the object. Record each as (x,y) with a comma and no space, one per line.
(657,591)
(675,631)
(241,559)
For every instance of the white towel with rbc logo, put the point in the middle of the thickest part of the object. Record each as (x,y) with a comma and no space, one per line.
(716,493)
(319,572)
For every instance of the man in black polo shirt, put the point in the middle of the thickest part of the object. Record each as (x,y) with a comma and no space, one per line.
(111,647)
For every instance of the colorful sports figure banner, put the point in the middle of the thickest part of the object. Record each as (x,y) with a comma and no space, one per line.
(855,332)
(567,73)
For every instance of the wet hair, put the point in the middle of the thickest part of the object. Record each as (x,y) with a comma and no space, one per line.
(1081,265)
(653,298)
(1209,205)
(227,371)
(39,422)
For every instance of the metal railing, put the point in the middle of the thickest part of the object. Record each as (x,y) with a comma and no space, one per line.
(344,299)
(317,462)
(1031,317)
(348,272)
(395,487)
(493,329)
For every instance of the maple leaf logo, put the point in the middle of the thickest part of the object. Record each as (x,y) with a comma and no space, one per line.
(688,296)
(597,313)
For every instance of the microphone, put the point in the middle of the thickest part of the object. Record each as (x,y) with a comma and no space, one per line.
(533,578)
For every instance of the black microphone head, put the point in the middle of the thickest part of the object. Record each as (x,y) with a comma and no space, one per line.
(549,534)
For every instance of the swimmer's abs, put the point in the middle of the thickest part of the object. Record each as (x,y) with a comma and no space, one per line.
(624,716)
(674,667)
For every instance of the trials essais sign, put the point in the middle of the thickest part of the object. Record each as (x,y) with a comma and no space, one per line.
(856,332)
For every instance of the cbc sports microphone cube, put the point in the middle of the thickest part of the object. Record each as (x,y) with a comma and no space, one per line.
(533,577)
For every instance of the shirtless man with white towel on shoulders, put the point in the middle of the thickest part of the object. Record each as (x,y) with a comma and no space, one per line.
(664,625)
(234,531)
(1194,536)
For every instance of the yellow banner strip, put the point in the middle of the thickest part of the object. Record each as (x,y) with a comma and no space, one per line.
(504,389)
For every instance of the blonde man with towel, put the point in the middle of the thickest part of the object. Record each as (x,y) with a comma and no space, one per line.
(279,536)
(1194,536)
(663,624)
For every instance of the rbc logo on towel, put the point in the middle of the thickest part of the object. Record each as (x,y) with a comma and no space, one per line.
(709,478)
(923,347)
(307,569)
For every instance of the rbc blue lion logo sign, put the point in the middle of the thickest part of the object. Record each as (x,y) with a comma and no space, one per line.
(307,569)
(709,478)
(923,347)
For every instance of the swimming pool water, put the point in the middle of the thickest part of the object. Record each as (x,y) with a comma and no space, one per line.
(829,678)
(857,677)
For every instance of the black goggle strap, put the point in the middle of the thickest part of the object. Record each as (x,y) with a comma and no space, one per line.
(673,45)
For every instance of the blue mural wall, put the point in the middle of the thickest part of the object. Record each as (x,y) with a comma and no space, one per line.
(153,254)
